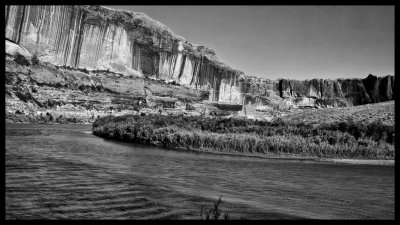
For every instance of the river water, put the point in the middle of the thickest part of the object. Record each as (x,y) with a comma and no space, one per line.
(65,172)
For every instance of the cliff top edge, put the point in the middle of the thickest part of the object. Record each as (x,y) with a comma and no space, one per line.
(154,27)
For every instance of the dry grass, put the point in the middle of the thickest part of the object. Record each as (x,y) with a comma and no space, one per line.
(383,112)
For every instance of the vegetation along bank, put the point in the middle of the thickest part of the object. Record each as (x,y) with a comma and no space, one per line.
(344,139)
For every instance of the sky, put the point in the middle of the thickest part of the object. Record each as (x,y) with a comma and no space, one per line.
(293,42)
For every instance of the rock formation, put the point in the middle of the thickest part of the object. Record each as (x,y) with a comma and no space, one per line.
(95,37)
(133,44)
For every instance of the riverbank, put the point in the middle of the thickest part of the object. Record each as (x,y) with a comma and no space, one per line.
(372,162)
(344,140)
(294,157)
(43,119)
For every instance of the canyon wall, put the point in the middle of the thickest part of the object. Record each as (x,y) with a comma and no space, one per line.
(95,37)
(319,92)
(131,43)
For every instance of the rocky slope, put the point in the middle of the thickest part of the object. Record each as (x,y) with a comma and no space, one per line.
(130,48)
(44,92)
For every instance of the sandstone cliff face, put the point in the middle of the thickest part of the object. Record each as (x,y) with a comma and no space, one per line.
(340,92)
(317,92)
(95,37)
(132,43)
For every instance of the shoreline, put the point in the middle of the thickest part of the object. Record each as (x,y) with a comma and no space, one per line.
(380,162)
(293,157)
(352,161)
(347,161)
(51,123)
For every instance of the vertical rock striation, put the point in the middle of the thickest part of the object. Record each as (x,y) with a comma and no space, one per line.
(95,37)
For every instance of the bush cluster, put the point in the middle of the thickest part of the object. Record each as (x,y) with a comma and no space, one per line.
(343,139)
(35,60)
(20,59)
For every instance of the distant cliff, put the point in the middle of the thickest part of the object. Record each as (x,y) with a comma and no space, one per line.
(320,92)
(132,43)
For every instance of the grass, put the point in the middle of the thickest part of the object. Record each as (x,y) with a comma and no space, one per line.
(364,114)
(336,140)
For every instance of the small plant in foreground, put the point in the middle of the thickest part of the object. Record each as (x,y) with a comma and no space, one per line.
(213,212)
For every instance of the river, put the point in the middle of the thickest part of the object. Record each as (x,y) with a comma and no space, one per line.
(65,172)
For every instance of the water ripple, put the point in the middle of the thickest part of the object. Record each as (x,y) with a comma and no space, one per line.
(64,172)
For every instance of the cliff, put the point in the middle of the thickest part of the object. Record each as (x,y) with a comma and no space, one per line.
(319,92)
(95,37)
(133,44)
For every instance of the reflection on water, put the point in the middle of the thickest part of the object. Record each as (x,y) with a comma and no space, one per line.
(63,171)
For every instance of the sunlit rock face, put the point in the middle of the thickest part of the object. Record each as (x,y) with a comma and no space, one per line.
(13,49)
(131,43)
(95,37)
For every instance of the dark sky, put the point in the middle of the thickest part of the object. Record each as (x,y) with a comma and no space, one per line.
(297,42)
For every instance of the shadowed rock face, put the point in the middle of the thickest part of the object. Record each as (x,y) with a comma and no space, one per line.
(371,84)
(379,88)
(131,43)
(386,88)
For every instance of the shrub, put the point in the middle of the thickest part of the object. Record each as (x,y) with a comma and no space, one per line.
(160,123)
(84,70)
(240,135)
(20,59)
(214,212)
(204,95)
(34,89)
(35,60)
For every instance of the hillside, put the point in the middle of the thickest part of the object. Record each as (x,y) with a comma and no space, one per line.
(47,93)
(365,114)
